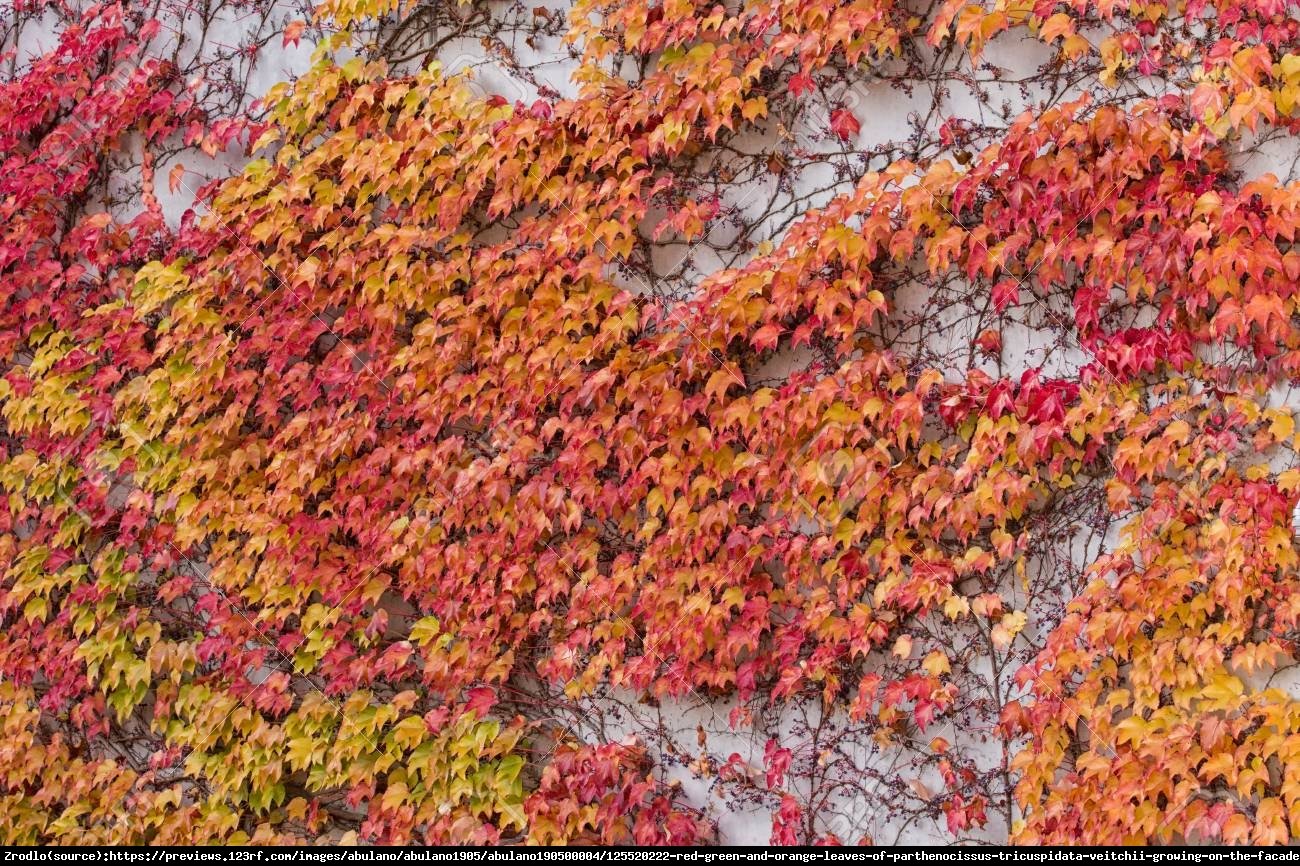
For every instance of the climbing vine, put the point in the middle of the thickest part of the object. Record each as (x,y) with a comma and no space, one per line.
(400,492)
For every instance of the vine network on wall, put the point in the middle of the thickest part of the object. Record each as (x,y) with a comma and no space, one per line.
(662,453)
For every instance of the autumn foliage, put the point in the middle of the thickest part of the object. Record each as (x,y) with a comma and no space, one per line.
(398,491)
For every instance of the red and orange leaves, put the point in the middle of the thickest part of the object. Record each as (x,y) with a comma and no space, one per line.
(387,459)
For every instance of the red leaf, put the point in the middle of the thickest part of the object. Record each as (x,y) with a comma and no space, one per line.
(1005,294)
(844,124)
(801,83)
(293,32)
(481,700)
(778,763)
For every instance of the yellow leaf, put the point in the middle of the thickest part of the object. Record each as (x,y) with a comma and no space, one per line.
(955,607)
(841,414)
(1059,24)
(1015,622)
(936,664)
(1224,689)
(424,630)
(1281,424)
(35,609)
(1131,730)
